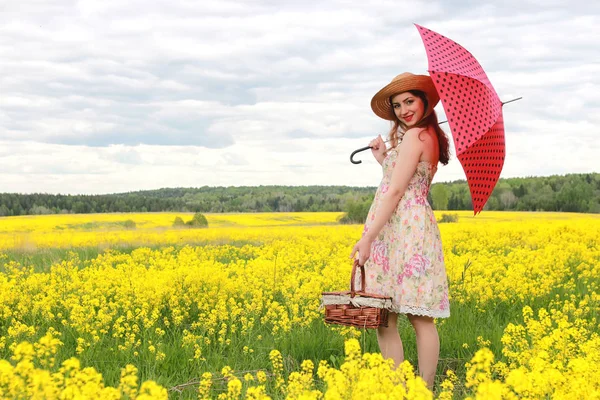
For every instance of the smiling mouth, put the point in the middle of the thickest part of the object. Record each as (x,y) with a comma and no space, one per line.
(407,119)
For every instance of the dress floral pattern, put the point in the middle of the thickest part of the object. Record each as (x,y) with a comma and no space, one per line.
(407,262)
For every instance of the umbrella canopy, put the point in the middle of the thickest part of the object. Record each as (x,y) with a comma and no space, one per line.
(474,112)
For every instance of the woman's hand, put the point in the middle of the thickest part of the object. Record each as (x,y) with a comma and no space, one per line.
(363,247)
(378,148)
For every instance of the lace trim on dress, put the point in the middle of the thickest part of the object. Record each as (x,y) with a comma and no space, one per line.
(420,311)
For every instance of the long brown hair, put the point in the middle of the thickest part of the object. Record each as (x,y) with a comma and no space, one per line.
(431,119)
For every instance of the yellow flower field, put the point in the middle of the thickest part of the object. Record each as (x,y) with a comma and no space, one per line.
(152,229)
(232,311)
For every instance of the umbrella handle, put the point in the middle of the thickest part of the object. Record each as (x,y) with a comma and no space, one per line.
(358,151)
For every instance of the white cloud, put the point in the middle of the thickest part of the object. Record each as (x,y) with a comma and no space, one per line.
(115,96)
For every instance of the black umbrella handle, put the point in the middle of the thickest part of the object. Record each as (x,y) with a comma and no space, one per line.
(358,151)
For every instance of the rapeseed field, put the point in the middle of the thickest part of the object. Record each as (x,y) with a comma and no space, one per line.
(113,306)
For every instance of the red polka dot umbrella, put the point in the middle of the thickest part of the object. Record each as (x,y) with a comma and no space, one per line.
(474,112)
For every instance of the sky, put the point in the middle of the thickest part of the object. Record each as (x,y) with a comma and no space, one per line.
(115,96)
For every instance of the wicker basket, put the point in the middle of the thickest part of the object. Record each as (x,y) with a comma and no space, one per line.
(356,307)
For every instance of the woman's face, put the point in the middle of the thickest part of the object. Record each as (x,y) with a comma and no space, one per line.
(408,108)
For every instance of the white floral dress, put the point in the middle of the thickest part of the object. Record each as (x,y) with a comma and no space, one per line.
(407,261)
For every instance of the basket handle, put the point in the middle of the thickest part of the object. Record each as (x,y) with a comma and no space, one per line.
(362,278)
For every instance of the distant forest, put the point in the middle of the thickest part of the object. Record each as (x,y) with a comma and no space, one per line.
(569,193)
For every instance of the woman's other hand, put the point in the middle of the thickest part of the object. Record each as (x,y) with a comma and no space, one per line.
(378,148)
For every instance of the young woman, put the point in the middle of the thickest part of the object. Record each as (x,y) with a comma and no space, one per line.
(401,247)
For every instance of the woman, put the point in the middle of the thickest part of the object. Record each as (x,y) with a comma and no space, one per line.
(401,247)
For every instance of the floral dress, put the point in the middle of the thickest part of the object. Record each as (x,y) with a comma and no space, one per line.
(407,262)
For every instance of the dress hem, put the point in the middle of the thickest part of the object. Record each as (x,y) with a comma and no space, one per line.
(420,311)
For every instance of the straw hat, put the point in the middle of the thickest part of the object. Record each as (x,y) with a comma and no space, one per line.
(402,83)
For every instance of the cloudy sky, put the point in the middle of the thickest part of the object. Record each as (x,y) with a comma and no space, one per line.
(113,96)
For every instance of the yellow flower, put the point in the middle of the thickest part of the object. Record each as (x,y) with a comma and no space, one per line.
(261,376)
(205,385)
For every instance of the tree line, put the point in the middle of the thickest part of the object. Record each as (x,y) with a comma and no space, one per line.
(568,193)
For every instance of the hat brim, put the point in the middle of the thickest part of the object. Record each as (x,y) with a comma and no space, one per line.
(381,101)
